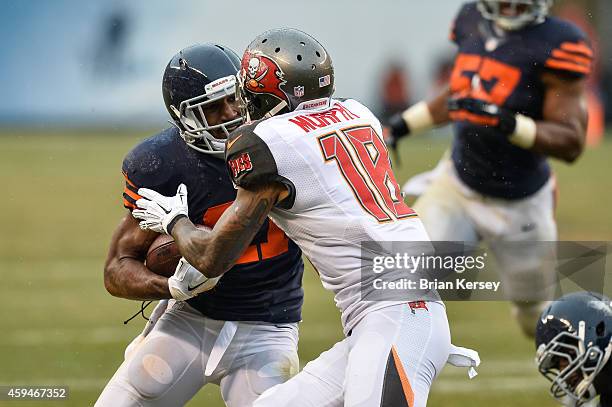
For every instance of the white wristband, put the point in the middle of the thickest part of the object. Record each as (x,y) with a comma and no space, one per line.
(418,117)
(525,132)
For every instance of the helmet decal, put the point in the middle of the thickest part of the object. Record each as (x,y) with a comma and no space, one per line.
(262,75)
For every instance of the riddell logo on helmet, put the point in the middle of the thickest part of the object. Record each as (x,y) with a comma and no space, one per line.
(240,164)
(262,75)
(220,84)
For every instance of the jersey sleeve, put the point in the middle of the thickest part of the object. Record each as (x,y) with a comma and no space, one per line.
(570,54)
(250,162)
(142,168)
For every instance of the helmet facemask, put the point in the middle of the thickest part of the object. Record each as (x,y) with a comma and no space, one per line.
(195,129)
(522,12)
(256,106)
(571,366)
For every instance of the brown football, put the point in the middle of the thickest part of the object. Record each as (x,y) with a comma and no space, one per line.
(163,256)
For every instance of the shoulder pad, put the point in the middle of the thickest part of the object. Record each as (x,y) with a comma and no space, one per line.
(146,166)
(249,160)
(467,17)
(569,52)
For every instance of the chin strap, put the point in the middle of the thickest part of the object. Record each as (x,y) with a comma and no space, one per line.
(590,391)
(607,354)
(276,109)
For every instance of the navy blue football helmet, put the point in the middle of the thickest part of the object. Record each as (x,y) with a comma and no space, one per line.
(195,77)
(574,344)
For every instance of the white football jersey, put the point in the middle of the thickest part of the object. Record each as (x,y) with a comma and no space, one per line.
(332,157)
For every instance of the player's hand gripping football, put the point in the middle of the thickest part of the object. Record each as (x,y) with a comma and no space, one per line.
(484,113)
(187,281)
(157,212)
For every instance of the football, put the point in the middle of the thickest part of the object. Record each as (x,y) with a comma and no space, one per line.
(163,256)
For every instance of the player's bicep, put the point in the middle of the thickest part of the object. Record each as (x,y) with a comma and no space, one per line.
(565,101)
(129,241)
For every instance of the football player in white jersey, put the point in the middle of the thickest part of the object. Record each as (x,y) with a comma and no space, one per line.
(319,169)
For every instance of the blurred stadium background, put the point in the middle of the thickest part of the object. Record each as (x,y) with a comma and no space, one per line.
(81,85)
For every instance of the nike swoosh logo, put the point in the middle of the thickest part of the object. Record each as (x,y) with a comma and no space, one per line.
(230,143)
(189,288)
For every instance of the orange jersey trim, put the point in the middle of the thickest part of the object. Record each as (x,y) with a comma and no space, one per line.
(128,180)
(581,60)
(128,204)
(580,48)
(131,194)
(567,66)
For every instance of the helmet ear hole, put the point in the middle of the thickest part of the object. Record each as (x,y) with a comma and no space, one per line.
(256,102)
(600,329)
(277,50)
(299,57)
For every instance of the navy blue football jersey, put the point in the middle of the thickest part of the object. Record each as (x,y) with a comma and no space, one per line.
(506,69)
(266,282)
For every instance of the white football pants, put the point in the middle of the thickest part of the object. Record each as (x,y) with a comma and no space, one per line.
(390,359)
(186,351)
(451,211)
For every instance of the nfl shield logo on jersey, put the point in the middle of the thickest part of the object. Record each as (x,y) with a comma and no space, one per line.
(298,91)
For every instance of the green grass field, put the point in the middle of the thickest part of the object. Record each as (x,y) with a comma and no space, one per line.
(61,200)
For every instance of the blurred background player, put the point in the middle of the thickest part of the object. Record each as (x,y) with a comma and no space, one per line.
(319,168)
(574,345)
(242,335)
(516,97)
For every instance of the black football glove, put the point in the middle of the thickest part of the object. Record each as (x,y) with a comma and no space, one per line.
(502,118)
(398,127)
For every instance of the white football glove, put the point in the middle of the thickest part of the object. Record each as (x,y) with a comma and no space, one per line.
(187,281)
(156,211)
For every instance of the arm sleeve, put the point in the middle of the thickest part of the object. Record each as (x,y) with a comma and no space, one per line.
(570,54)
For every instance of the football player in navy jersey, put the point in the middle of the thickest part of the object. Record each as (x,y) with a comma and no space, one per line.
(516,97)
(241,334)
(574,349)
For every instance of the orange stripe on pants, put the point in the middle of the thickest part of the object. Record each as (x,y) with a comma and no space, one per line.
(403,378)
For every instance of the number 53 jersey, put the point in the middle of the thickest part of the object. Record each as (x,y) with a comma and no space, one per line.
(506,69)
(334,162)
